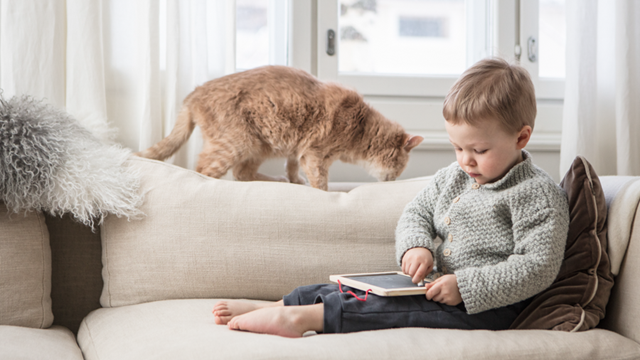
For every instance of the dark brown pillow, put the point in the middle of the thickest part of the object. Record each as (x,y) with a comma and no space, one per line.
(578,297)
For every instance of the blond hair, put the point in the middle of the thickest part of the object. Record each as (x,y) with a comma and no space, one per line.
(492,88)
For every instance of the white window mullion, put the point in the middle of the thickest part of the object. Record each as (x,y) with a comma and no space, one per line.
(230,30)
(302,49)
(503,28)
(327,20)
(529,38)
(478,46)
(278,19)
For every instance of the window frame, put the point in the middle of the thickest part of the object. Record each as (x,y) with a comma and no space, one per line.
(528,21)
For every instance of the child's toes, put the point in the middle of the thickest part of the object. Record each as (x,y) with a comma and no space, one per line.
(222,312)
(225,319)
(222,305)
(222,320)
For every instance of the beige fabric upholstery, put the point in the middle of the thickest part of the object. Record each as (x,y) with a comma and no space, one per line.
(185,329)
(25,270)
(55,343)
(208,238)
(623,312)
(622,194)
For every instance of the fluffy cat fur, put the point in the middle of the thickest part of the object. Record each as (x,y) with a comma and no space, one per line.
(279,111)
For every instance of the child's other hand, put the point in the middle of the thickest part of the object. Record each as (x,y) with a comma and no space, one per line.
(417,263)
(444,290)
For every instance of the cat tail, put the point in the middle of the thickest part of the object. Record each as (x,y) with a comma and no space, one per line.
(179,135)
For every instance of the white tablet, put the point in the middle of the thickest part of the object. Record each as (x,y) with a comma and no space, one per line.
(390,283)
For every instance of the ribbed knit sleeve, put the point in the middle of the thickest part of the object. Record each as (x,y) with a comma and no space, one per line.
(415,227)
(540,219)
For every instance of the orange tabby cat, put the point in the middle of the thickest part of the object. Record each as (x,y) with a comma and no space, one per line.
(278,111)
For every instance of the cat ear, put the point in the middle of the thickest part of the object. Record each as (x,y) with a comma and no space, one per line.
(412,142)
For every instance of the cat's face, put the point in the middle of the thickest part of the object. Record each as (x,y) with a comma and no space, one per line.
(387,164)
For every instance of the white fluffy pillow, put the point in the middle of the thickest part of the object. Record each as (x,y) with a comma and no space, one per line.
(49,161)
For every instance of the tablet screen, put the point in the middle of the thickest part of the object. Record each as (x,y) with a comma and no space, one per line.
(387,281)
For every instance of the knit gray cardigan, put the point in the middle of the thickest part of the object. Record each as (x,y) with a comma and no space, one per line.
(504,241)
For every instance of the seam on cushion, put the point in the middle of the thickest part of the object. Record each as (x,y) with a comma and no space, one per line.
(595,233)
(103,240)
(93,343)
(42,247)
(582,318)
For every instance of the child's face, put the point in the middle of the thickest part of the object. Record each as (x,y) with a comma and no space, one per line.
(487,152)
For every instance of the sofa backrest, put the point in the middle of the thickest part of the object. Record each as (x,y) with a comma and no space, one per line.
(210,238)
(623,310)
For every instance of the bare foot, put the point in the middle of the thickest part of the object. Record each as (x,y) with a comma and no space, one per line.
(225,310)
(287,321)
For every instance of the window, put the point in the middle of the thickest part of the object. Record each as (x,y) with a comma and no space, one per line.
(261,33)
(423,27)
(401,47)
(404,55)
(402,37)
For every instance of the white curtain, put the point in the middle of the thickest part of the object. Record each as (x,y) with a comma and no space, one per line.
(121,67)
(602,92)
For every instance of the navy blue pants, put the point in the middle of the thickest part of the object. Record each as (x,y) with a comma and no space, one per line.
(343,313)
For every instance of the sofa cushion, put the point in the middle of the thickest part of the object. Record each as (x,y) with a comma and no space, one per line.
(578,297)
(25,270)
(55,343)
(185,329)
(208,238)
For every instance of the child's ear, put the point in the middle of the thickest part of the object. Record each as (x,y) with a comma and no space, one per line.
(412,141)
(524,136)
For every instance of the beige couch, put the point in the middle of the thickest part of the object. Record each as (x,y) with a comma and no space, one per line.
(144,289)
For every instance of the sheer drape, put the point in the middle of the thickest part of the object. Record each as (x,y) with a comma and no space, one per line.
(120,67)
(602,93)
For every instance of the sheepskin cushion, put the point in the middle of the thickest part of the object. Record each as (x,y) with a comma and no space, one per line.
(578,297)
(49,161)
(25,270)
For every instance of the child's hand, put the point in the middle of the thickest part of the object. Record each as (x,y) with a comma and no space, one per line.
(444,290)
(417,263)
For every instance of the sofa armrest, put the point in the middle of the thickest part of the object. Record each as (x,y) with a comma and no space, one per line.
(623,310)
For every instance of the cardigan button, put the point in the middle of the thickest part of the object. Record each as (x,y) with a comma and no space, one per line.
(447,220)
(450,237)
(475,186)
(456,199)
(446,252)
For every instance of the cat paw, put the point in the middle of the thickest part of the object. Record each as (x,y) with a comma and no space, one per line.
(297,180)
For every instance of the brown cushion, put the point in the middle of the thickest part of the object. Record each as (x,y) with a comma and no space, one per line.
(579,295)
